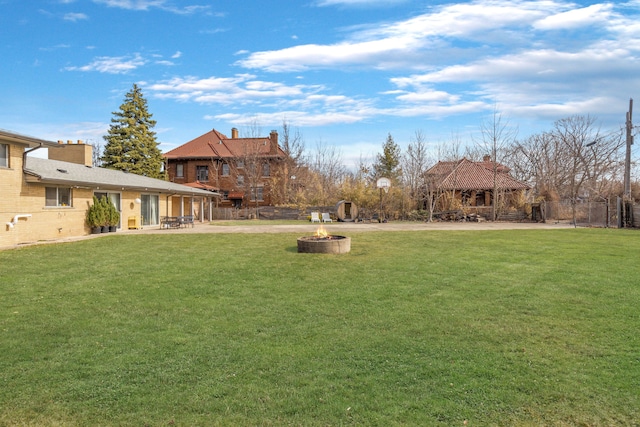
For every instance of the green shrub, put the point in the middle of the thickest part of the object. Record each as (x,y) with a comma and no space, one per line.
(94,214)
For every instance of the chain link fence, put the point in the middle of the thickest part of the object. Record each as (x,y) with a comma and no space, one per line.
(587,214)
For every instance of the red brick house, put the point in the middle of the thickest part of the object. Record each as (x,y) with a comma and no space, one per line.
(466,183)
(242,170)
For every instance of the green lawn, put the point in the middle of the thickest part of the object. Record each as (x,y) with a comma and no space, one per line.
(523,328)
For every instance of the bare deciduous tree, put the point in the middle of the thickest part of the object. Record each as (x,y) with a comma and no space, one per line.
(497,136)
(96,154)
(574,134)
(449,152)
(326,164)
(415,162)
(251,160)
(572,162)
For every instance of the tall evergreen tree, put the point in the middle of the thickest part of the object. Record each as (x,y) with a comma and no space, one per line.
(131,143)
(387,163)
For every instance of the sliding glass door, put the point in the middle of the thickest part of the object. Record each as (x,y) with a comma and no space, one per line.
(150,208)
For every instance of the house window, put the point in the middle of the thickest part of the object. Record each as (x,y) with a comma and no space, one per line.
(240,164)
(225,169)
(202,173)
(4,155)
(225,195)
(179,170)
(266,169)
(240,179)
(257,194)
(58,196)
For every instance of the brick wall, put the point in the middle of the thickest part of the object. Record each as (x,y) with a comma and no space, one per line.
(49,223)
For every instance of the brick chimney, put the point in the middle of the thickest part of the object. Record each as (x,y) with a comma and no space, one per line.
(273,141)
(79,153)
(234,133)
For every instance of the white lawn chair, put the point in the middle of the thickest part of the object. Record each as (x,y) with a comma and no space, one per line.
(326,217)
(315,217)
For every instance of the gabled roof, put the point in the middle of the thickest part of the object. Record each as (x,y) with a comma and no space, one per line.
(28,141)
(215,144)
(468,175)
(76,175)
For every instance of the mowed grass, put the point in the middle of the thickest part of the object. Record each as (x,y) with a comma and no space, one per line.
(518,328)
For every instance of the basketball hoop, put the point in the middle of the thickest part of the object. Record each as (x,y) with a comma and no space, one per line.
(383,184)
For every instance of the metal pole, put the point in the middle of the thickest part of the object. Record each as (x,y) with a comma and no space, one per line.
(380,216)
(627,162)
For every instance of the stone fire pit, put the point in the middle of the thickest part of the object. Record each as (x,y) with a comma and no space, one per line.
(323,243)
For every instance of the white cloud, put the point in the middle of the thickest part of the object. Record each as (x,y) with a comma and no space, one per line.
(545,83)
(132,4)
(536,65)
(242,88)
(74,17)
(112,65)
(451,32)
(56,47)
(300,118)
(576,18)
(144,5)
(439,110)
(408,43)
(431,96)
(304,104)
(465,58)
(553,111)
(299,58)
(214,31)
(88,132)
(176,55)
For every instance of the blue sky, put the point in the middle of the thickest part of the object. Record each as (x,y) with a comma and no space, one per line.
(344,72)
